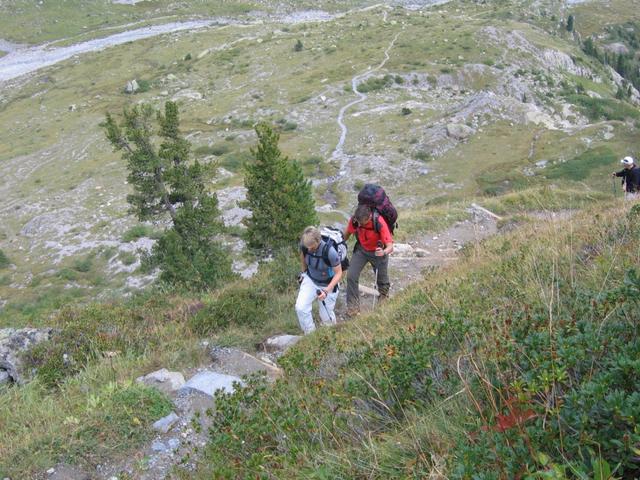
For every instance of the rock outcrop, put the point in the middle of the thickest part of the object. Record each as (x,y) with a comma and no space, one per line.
(15,342)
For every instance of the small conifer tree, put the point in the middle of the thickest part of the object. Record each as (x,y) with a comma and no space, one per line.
(298,47)
(278,195)
(167,182)
(570,23)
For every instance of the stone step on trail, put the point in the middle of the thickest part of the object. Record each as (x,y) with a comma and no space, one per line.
(209,382)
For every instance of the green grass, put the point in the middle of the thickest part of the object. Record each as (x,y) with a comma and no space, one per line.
(581,167)
(604,108)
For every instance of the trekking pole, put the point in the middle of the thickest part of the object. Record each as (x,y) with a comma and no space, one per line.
(375,287)
(375,284)
(318,292)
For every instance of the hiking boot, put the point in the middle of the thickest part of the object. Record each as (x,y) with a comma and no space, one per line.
(382,298)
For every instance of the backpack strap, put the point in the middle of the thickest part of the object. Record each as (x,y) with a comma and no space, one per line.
(376,220)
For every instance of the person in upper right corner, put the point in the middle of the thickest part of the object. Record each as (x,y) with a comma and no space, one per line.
(374,243)
(630,174)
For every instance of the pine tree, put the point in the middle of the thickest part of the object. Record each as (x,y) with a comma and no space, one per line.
(166,182)
(278,195)
(570,23)
(298,47)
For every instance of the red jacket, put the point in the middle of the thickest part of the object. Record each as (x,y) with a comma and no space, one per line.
(368,237)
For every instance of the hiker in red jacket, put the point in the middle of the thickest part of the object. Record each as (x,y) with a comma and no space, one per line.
(374,243)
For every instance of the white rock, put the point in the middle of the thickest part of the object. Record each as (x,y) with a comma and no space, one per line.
(209,383)
(164,424)
(163,379)
(281,342)
(4,377)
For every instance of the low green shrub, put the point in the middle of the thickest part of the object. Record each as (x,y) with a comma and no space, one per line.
(4,260)
(139,231)
(373,84)
(215,150)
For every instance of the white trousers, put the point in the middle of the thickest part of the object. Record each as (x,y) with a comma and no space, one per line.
(304,304)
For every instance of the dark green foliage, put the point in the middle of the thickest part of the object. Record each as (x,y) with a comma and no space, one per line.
(187,57)
(143,86)
(83,265)
(216,150)
(165,182)
(570,23)
(278,195)
(406,111)
(298,47)
(4,260)
(372,84)
(579,168)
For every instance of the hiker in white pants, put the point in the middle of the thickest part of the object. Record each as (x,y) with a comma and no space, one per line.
(319,278)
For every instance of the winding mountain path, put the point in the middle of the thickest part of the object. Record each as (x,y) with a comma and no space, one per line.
(338,151)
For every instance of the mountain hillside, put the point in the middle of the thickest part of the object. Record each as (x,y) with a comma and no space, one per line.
(508,350)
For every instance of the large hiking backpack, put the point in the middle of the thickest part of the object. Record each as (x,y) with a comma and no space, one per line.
(375,197)
(333,238)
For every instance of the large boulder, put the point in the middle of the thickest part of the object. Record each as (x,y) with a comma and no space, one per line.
(131,87)
(209,382)
(459,131)
(15,342)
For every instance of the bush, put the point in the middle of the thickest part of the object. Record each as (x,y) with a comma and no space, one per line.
(215,150)
(187,57)
(373,84)
(83,265)
(87,332)
(4,260)
(139,231)
(298,47)
(406,111)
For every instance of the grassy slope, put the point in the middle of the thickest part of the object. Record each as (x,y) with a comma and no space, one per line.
(385,396)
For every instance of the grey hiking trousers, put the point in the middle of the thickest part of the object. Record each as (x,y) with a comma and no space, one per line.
(358,261)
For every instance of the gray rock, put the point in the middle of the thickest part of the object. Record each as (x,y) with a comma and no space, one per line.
(163,380)
(13,343)
(173,443)
(403,250)
(4,377)
(164,424)
(131,87)
(158,446)
(208,382)
(281,343)
(459,131)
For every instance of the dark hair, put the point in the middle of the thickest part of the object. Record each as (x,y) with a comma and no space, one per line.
(362,214)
